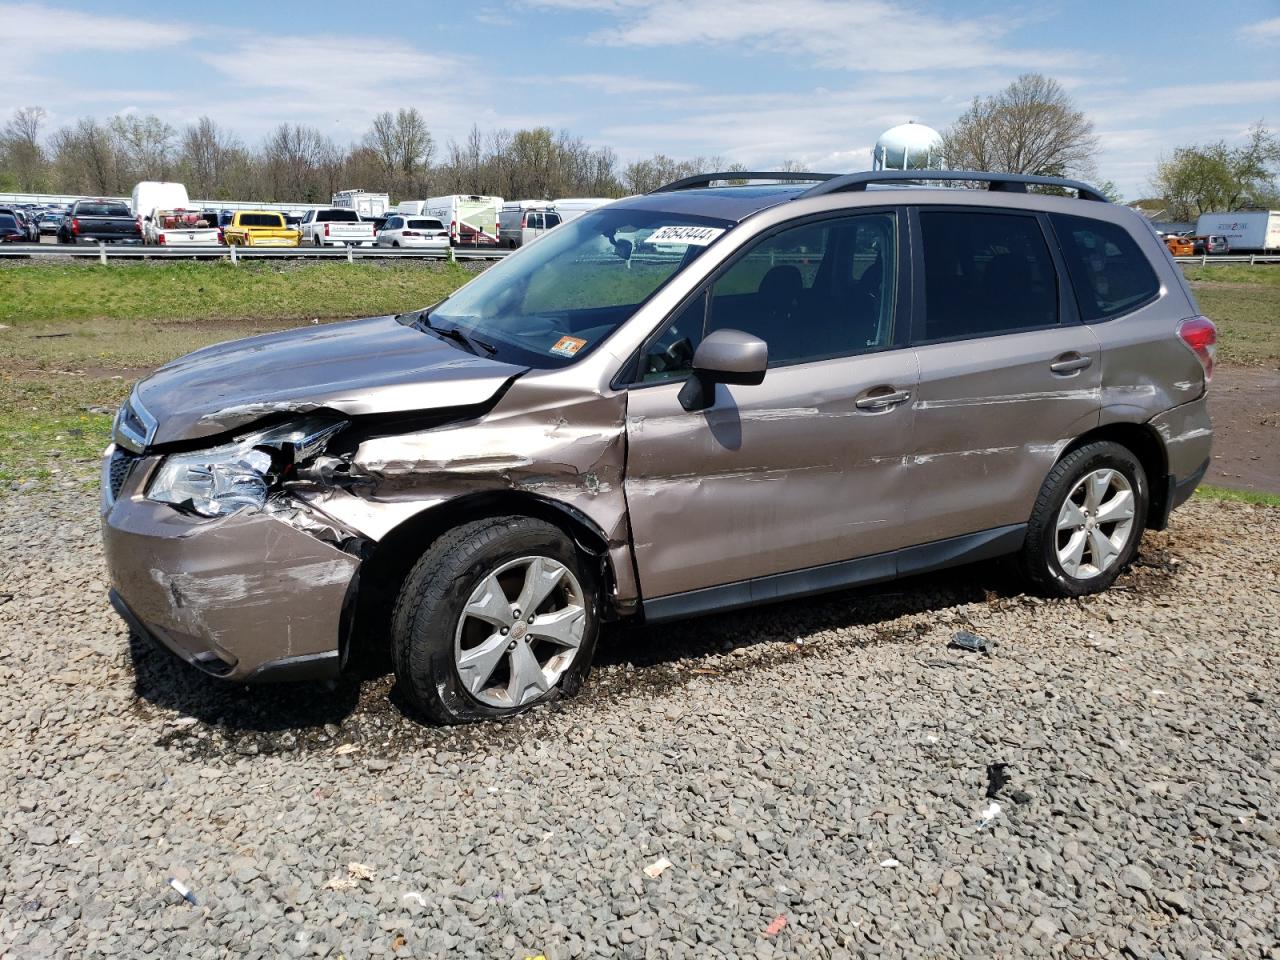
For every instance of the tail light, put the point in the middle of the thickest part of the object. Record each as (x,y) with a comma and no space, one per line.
(160,239)
(1201,338)
(326,229)
(221,238)
(453,229)
(409,233)
(75,225)
(523,222)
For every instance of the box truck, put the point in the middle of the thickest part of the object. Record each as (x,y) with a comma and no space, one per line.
(368,205)
(1247,231)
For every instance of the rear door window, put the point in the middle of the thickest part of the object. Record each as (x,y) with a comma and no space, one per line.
(1110,273)
(985,274)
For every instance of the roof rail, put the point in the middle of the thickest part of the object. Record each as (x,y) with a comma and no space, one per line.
(706,179)
(1006,182)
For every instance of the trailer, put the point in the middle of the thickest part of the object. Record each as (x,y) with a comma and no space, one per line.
(472,219)
(1247,231)
(368,205)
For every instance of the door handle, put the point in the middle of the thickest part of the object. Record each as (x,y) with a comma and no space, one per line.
(1070,363)
(882,401)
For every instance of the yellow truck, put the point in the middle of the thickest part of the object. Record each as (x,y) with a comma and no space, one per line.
(259,228)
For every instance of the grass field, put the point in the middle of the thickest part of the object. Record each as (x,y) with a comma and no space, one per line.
(1245,304)
(75,337)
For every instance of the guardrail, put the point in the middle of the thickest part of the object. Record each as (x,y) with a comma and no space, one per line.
(1252,259)
(105,252)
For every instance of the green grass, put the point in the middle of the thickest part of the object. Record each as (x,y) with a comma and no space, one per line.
(79,335)
(1244,302)
(33,294)
(1257,497)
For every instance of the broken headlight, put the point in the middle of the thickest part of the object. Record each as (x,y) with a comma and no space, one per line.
(230,477)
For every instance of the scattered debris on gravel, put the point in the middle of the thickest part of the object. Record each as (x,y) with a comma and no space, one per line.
(823,778)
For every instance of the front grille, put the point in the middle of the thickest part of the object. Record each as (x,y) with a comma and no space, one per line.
(122,462)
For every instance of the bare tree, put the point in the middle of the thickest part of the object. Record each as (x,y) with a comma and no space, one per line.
(1032,126)
(207,157)
(404,146)
(21,155)
(86,159)
(145,146)
(293,157)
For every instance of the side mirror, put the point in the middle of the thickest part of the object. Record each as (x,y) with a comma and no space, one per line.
(725,356)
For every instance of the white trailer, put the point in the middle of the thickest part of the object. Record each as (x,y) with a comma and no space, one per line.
(1247,231)
(472,219)
(368,205)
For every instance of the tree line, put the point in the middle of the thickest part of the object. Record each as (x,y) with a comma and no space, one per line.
(296,163)
(1031,126)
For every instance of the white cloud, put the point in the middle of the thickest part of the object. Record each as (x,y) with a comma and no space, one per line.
(1264,31)
(619,84)
(858,35)
(43,28)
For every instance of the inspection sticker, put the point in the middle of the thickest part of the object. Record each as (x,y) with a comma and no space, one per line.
(689,236)
(568,346)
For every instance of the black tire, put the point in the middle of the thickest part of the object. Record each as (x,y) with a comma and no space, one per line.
(1038,559)
(432,599)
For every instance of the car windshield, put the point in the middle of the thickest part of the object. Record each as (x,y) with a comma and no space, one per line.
(559,298)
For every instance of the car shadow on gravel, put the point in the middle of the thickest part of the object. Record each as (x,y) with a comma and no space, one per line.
(366,709)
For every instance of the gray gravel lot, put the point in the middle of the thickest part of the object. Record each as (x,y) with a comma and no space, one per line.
(828,762)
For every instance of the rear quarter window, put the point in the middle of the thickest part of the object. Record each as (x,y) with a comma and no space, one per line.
(1109,272)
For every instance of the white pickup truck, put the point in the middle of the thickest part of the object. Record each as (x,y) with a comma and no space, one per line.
(181,228)
(336,227)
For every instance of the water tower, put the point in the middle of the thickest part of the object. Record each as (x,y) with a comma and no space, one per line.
(908,146)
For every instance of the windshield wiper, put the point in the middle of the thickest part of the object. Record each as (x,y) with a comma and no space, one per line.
(456,335)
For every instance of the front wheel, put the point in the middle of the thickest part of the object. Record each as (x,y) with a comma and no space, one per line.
(1087,522)
(497,616)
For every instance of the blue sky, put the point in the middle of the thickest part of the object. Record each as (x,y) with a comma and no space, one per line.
(756,81)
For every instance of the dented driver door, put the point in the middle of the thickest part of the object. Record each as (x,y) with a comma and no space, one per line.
(804,469)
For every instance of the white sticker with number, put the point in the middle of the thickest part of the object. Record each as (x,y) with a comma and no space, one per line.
(688,236)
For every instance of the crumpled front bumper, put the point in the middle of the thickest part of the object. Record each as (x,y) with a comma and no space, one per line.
(244,597)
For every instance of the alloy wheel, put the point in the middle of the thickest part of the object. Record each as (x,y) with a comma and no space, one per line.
(519,631)
(1095,523)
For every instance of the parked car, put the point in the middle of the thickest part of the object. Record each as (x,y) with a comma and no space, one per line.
(336,227)
(423,232)
(50,222)
(100,221)
(521,221)
(1210,244)
(259,228)
(1179,246)
(11,229)
(181,228)
(762,393)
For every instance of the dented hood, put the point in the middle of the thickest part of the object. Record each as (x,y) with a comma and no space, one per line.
(357,367)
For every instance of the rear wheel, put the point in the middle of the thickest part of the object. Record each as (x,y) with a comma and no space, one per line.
(1087,522)
(497,616)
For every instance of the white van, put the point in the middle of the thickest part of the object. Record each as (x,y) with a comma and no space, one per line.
(571,208)
(152,195)
(472,219)
(521,221)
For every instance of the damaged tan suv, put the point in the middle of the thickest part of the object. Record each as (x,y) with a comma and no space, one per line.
(691,401)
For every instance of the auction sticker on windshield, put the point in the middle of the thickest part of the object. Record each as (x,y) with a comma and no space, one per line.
(690,236)
(568,346)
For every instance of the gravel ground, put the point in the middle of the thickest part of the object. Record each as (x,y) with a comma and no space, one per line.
(826,779)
